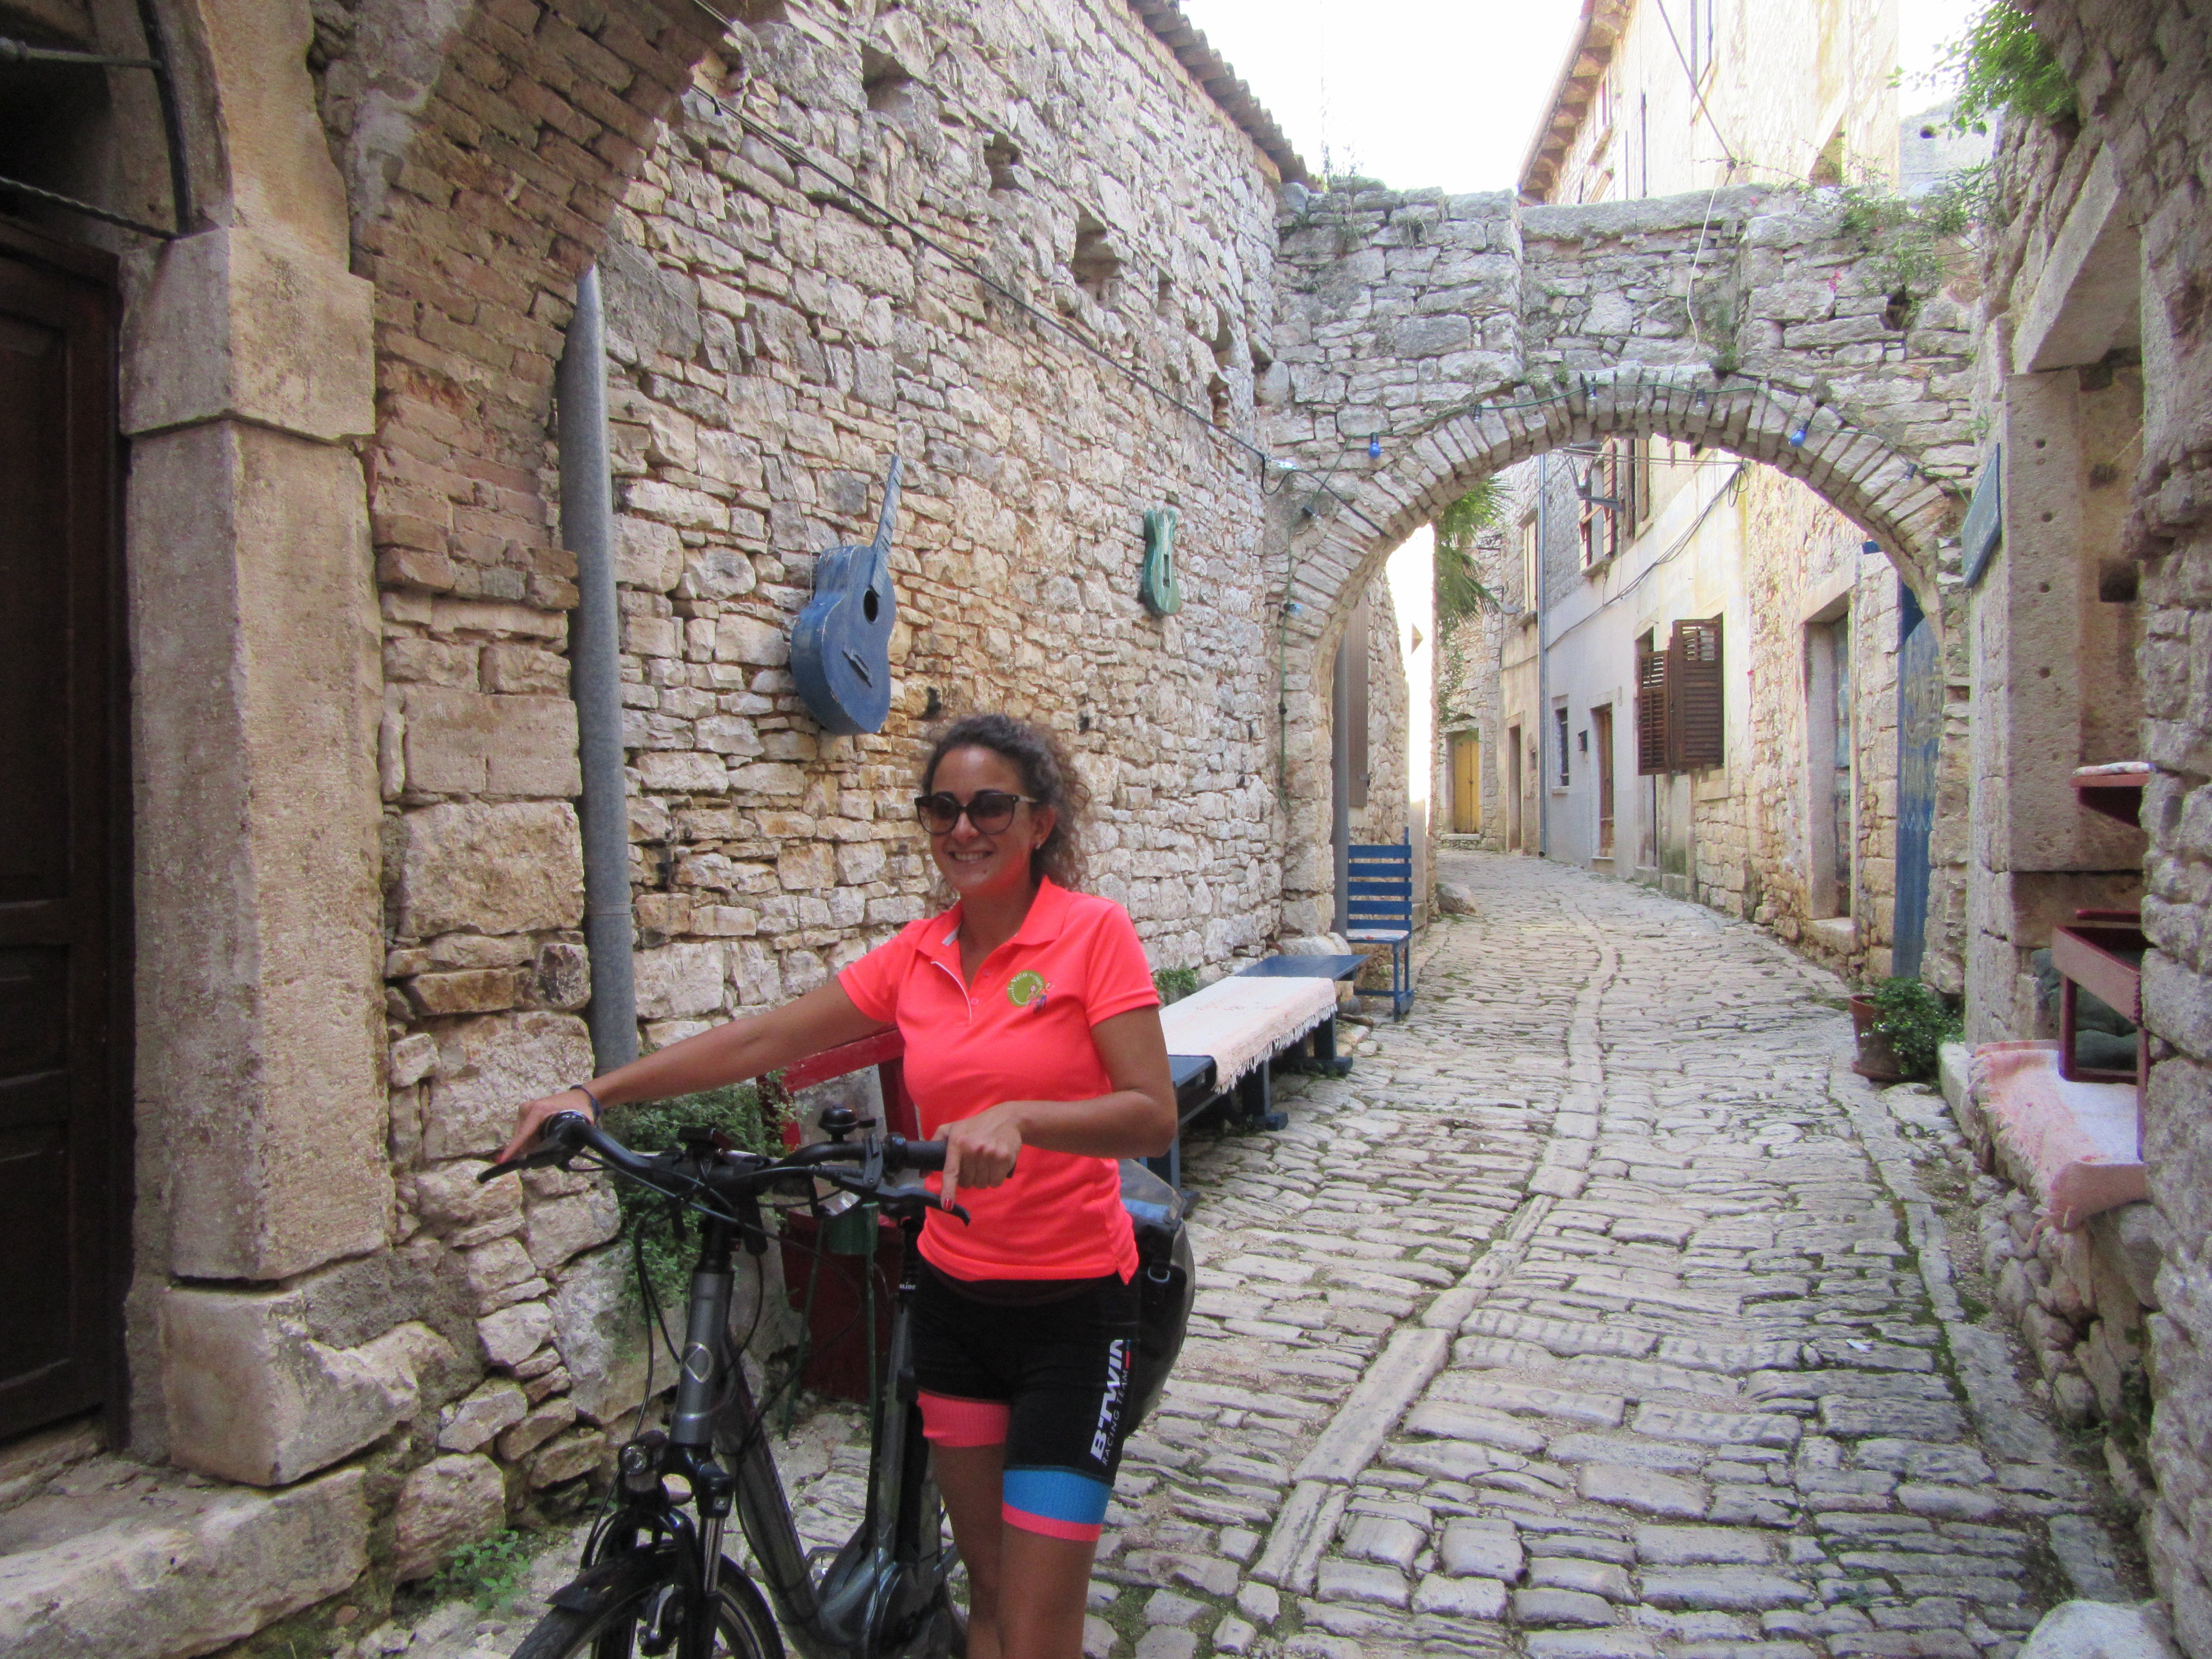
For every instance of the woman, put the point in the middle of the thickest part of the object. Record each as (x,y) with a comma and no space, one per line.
(1033,1049)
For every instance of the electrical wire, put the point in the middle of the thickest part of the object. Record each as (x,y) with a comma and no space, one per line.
(1696,91)
(889,218)
(1674,551)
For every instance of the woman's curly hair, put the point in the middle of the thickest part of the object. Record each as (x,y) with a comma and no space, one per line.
(1048,778)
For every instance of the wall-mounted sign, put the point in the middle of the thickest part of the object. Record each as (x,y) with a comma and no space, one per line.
(1159,587)
(1984,530)
(841,646)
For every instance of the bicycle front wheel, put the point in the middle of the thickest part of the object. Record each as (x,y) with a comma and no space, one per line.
(744,1627)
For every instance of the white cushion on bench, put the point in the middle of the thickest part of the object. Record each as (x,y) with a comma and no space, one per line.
(1241,1022)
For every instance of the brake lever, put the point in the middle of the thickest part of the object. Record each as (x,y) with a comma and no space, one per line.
(875,1191)
(542,1160)
(544,1157)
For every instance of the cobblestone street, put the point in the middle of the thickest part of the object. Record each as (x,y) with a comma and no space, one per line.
(1601,1313)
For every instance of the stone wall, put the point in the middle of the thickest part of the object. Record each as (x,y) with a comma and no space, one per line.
(2143,75)
(1385,816)
(1822,566)
(773,343)
(2082,1298)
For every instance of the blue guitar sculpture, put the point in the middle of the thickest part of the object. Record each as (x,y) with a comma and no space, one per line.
(841,645)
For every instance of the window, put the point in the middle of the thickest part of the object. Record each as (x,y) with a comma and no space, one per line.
(1700,42)
(1530,599)
(1596,524)
(1681,712)
(1560,720)
(1650,706)
(1615,493)
(1695,713)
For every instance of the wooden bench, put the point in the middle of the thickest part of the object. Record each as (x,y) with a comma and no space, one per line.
(1223,1039)
(1378,909)
(1325,1058)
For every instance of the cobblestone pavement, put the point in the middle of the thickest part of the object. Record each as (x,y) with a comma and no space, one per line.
(1599,1314)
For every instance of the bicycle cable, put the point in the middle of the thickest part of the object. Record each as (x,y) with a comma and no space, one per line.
(766,1405)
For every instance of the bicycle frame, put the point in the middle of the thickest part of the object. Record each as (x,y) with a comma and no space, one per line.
(883,1595)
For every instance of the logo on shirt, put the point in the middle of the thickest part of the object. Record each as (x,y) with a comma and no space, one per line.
(1027,989)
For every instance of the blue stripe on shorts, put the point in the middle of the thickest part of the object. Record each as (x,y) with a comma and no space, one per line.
(1058,1495)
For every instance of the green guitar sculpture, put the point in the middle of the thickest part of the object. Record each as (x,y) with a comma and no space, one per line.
(1159,587)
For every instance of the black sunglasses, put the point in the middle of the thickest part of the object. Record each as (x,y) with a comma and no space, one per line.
(989,810)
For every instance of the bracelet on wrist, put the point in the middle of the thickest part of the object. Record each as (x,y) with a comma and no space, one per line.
(599,1112)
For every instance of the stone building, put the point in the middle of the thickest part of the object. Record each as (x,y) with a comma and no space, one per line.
(294,874)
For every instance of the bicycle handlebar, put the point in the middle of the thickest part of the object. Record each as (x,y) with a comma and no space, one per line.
(736,1174)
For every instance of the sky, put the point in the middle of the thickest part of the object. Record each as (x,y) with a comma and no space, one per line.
(1443,93)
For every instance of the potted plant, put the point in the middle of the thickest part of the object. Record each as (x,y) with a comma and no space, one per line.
(1902,1027)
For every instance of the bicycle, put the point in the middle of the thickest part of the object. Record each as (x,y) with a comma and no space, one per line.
(654,1580)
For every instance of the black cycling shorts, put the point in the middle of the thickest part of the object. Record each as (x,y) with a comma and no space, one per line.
(1047,1376)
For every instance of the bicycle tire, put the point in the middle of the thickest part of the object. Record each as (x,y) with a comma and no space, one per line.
(746,1628)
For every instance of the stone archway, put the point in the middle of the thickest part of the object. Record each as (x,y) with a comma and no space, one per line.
(484,156)
(1460,335)
(1345,547)
(348,361)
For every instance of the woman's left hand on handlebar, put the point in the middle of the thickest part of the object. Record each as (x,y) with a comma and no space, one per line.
(532,1118)
(979,1150)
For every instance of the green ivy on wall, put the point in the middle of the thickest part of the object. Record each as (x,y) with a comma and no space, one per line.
(1999,64)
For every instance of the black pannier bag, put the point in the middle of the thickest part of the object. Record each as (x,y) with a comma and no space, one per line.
(1167,1281)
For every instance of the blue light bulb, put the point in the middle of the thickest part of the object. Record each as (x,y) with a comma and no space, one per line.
(1797,437)
(1375,448)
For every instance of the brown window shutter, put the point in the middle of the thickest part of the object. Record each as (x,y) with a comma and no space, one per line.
(1650,710)
(1695,711)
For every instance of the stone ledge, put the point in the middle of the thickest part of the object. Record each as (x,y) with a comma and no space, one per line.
(122,1562)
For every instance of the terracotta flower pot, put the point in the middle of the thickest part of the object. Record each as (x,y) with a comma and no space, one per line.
(1877,1060)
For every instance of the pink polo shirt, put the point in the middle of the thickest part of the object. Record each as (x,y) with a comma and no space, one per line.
(1022,1031)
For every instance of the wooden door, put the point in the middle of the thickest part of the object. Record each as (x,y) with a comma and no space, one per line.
(61,968)
(1466,783)
(1602,740)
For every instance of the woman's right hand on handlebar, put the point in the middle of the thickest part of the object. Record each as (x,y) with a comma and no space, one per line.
(532,1117)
